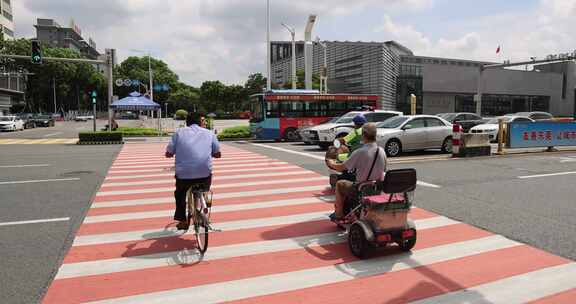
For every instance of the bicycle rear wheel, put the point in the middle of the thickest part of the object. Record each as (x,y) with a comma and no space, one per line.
(201,231)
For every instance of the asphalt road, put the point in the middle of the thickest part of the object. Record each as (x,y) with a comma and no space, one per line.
(67,177)
(485,192)
(65,129)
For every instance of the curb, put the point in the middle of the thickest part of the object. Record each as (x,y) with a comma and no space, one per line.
(100,143)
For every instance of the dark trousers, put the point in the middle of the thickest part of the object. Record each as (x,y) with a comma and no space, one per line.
(182,186)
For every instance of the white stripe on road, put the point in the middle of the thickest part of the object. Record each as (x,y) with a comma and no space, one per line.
(522,288)
(547,175)
(215,187)
(159,163)
(322,158)
(25,166)
(160,168)
(224,226)
(169,198)
(215,209)
(52,134)
(290,151)
(39,181)
(160,159)
(288,281)
(215,172)
(215,179)
(62,219)
(215,253)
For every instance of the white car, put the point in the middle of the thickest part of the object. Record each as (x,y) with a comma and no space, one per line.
(11,123)
(309,135)
(414,132)
(491,127)
(328,132)
(84,118)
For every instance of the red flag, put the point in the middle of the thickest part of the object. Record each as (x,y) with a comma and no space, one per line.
(498,50)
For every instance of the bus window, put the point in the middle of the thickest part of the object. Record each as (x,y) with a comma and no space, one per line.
(272,109)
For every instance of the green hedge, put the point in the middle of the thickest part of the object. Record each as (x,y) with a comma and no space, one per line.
(127,132)
(235,132)
(100,136)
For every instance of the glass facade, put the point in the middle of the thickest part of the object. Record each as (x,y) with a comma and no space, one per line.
(496,105)
(409,82)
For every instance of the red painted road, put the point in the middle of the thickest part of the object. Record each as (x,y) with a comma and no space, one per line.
(276,246)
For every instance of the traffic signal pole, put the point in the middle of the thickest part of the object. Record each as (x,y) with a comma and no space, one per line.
(109,68)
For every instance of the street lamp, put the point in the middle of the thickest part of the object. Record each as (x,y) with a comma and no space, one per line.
(324,73)
(151,88)
(293,34)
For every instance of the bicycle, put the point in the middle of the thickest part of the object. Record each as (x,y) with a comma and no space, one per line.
(199,214)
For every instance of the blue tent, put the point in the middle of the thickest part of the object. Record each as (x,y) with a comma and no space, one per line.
(135,102)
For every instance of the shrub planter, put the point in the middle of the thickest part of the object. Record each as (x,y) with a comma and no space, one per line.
(100,138)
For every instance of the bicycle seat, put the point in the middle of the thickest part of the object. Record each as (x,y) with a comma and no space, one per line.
(199,188)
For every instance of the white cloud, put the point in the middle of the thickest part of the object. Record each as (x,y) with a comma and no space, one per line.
(199,39)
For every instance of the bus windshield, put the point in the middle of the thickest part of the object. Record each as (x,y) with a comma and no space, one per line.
(256,109)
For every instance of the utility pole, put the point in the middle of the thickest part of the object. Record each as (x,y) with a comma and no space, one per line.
(54,91)
(268,57)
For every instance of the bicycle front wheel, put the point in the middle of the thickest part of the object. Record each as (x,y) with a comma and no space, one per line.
(201,231)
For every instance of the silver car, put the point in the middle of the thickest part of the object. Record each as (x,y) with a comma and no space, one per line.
(418,132)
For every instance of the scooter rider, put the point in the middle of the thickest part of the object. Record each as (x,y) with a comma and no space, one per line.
(353,140)
(369,162)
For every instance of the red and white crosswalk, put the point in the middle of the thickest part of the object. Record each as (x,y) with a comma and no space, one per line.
(277,246)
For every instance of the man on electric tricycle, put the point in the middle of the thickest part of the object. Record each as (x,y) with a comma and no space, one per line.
(368,163)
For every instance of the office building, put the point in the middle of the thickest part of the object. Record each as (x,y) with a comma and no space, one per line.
(51,33)
(7,19)
(393,72)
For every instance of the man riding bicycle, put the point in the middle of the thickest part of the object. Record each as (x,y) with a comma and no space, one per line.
(194,148)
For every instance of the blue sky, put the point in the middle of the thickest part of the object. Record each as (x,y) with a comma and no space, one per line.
(224,39)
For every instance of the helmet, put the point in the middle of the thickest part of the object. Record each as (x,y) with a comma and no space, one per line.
(359,119)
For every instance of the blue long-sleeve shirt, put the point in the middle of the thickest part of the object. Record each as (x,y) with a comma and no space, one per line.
(193,147)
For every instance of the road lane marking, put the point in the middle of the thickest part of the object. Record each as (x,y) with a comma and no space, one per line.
(289,281)
(40,181)
(149,234)
(62,219)
(424,184)
(52,134)
(522,288)
(98,267)
(25,166)
(215,187)
(547,175)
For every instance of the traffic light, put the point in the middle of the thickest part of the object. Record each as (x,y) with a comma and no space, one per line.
(36,53)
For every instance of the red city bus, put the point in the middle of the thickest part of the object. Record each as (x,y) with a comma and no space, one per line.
(279,113)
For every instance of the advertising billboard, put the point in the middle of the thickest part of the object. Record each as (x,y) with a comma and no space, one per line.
(541,134)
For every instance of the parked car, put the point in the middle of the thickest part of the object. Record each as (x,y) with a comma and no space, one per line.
(309,135)
(465,120)
(28,119)
(328,132)
(84,117)
(11,123)
(492,128)
(414,132)
(44,120)
(535,115)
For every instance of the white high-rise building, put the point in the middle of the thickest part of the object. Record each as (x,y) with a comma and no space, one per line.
(7,19)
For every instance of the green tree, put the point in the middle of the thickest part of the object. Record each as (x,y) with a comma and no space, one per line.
(212,95)
(300,81)
(136,68)
(255,84)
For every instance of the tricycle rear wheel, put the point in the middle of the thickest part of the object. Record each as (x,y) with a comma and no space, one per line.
(357,241)
(408,244)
